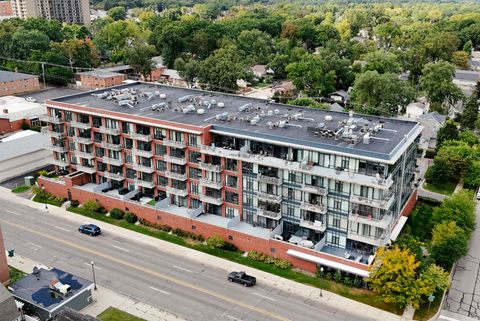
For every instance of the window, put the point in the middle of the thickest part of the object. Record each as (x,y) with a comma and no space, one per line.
(176,136)
(97,122)
(98,137)
(345,162)
(128,158)
(193,140)
(131,173)
(194,157)
(247,168)
(68,116)
(230,237)
(101,167)
(336,222)
(337,205)
(128,143)
(70,131)
(162,181)
(248,184)
(230,212)
(231,165)
(232,181)
(338,186)
(100,152)
(194,189)
(161,166)
(160,150)
(248,200)
(160,133)
(231,197)
(195,173)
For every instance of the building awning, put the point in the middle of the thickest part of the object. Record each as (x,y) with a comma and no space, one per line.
(325,262)
(398,228)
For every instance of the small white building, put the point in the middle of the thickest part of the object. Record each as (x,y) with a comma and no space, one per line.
(416,109)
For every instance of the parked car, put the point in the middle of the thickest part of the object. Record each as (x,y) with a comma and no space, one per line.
(242,278)
(90,229)
(30,99)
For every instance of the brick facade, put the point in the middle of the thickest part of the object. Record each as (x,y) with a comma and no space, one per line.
(6,9)
(6,126)
(92,82)
(19,86)
(4,272)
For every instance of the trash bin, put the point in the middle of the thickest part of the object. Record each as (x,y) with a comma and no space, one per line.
(10,253)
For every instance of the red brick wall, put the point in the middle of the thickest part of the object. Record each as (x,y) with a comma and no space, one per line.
(4,274)
(19,86)
(93,82)
(6,126)
(6,9)
(407,209)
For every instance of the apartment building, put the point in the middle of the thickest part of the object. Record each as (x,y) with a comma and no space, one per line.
(311,186)
(69,11)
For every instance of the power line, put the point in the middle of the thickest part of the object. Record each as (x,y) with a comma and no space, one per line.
(45,63)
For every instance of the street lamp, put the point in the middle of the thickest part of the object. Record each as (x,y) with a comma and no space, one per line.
(44,197)
(93,272)
(321,278)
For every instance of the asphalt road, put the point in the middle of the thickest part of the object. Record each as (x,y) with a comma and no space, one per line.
(176,284)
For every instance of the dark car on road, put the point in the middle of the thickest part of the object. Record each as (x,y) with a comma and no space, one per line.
(242,278)
(90,229)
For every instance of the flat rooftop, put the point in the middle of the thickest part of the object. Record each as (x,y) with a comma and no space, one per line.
(35,289)
(7,76)
(235,115)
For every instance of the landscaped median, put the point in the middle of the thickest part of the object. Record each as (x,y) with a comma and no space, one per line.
(113,314)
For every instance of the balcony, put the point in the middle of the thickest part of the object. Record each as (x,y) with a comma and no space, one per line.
(384,203)
(143,153)
(177,191)
(383,222)
(57,135)
(147,184)
(58,148)
(112,146)
(315,225)
(115,177)
(269,214)
(110,131)
(180,177)
(269,179)
(112,161)
(314,190)
(317,208)
(212,184)
(269,197)
(142,137)
(83,154)
(80,125)
(59,162)
(86,169)
(174,143)
(83,140)
(52,120)
(175,160)
(143,168)
(211,199)
(210,167)
(365,239)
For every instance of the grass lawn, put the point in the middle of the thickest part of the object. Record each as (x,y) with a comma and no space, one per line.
(419,221)
(15,274)
(50,201)
(446,189)
(113,314)
(360,295)
(21,189)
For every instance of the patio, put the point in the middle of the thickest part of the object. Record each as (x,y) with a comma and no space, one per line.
(357,256)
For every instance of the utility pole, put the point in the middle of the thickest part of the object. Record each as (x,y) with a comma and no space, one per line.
(43,74)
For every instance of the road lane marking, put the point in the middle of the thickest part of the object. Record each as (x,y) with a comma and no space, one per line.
(120,248)
(18,214)
(36,245)
(233,318)
(447,318)
(263,296)
(183,269)
(61,229)
(155,289)
(152,272)
(90,265)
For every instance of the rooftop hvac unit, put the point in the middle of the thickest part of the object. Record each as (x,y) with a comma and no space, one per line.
(163,96)
(221,116)
(184,98)
(244,107)
(200,111)
(220,105)
(157,93)
(277,111)
(328,118)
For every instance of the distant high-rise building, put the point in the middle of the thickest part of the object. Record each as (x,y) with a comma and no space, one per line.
(70,11)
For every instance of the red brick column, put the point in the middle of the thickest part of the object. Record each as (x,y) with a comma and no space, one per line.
(4,274)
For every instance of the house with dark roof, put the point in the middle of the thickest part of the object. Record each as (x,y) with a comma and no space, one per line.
(46,292)
(8,308)
(431,123)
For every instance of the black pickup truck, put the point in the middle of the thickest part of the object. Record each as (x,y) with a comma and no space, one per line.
(242,278)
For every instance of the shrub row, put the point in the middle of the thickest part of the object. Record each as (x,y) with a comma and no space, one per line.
(176,231)
(117,214)
(279,263)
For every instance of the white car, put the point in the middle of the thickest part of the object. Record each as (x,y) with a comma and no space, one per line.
(30,99)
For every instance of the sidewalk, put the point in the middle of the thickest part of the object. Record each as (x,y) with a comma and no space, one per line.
(104,298)
(332,300)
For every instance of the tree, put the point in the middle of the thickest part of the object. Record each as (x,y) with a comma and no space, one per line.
(460,59)
(380,94)
(215,241)
(469,137)
(472,176)
(256,45)
(438,85)
(470,113)
(467,47)
(438,173)
(278,64)
(382,62)
(117,13)
(307,102)
(449,243)
(26,41)
(460,207)
(188,70)
(457,156)
(139,56)
(441,45)
(435,278)
(448,131)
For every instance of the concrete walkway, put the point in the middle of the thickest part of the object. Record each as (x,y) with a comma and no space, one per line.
(104,298)
(333,300)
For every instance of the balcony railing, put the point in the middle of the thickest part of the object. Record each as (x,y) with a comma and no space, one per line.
(85,169)
(315,225)
(80,125)
(212,184)
(57,148)
(269,179)
(211,199)
(365,239)
(57,135)
(115,177)
(269,214)
(83,154)
(382,222)
(112,161)
(143,168)
(174,143)
(59,162)
(147,184)
(270,197)
(177,191)
(110,131)
(83,140)
(142,137)
(53,120)
(317,208)
(180,177)
(143,153)
(383,203)
(314,190)
(175,160)
(210,167)
(112,146)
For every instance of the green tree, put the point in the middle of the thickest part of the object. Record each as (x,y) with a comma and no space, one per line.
(438,173)
(215,241)
(117,13)
(460,207)
(188,70)
(467,47)
(139,56)
(472,176)
(435,278)
(448,131)
(278,64)
(257,45)
(380,94)
(460,59)
(307,102)
(382,62)
(441,45)
(457,156)
(449,243)
(24,42)
(469,137)
(470,113)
